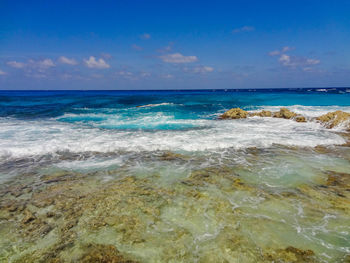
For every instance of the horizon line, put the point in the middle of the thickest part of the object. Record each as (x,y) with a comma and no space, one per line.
(223,89)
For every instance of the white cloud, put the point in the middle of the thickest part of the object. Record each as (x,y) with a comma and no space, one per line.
(178,58)
(16,64)
(279,52)
(44,64)
(2,73)
(294,61)
(243,29)
(285,60)
(93,63)
(311,61)
(68,61)
(204,69)
(145,36)
(199,69)
(32,66)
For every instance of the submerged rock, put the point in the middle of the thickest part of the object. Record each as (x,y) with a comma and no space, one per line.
(28,217)
(290,254)
(171,156)
(336,118)
(235,113)
(103,254)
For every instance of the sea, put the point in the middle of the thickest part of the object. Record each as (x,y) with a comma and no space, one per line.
(157,176)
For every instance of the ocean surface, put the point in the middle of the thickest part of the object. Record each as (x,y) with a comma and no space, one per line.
(155,176)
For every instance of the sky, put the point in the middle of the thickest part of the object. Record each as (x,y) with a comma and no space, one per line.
(131,44)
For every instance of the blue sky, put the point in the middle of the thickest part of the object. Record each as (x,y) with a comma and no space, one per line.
(174,44)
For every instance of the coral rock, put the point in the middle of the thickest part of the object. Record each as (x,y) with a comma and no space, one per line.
(300,119)
(285,114)
(263,113)
(333,119)
(235,113)
(103,254)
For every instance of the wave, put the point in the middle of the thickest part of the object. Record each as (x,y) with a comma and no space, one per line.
(132,121)
(19,138)
(155,105)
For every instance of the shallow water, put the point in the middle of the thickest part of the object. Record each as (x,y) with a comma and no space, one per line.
(84,174)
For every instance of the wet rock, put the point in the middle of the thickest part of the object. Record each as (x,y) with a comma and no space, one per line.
(235,113)
(28,217)
(290,254)
(60,176)
(170,156)
(213,175)
(334,193)
(12,205)
(300,119)
(5,215)
(340,180)
(322,149)
(103,254)
(284,113)
(29,258)
(336,118)
(262,113)
(50,214)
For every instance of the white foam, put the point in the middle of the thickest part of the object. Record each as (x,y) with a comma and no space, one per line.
(156,105)
(89,164)
(148,120)
(25,138)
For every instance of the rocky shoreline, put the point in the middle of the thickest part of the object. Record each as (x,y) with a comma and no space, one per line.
(208,212)
(329,120)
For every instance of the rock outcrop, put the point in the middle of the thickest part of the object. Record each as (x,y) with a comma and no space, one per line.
(336,118)
(235,113)
(263,113)
(300,118)
(284,113)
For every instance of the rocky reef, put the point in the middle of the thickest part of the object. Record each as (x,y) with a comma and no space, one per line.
(235,113)
(336,118)
(329,120)
(284,113)
(210,212)
(262,113)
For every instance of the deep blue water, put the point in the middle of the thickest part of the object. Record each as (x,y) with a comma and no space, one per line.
(181,104)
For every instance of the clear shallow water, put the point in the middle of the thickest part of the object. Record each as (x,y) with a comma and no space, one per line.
(156,175)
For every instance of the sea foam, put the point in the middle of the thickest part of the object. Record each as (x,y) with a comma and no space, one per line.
(19,138)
